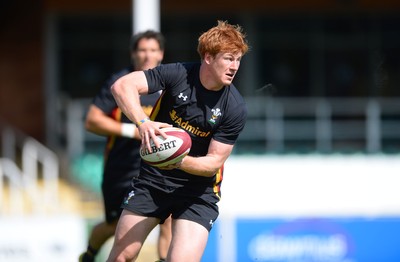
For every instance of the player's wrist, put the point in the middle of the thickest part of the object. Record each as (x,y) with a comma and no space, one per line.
(179,164)
(144,120)
(128,130)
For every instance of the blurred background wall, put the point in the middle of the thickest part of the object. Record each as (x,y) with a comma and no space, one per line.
(54,52)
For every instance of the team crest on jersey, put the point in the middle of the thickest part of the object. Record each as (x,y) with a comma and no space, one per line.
(216,112)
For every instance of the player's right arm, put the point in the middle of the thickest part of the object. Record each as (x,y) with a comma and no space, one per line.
(126,91)
(100,123)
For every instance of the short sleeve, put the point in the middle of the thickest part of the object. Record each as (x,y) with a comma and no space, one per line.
(232,124)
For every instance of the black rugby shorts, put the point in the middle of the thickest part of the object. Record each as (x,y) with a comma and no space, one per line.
(152,201)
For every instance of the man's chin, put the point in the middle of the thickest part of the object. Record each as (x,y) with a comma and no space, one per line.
(227,83)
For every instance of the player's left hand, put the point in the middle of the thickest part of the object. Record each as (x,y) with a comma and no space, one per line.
(149,130)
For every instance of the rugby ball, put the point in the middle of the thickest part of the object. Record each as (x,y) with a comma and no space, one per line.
(172,149)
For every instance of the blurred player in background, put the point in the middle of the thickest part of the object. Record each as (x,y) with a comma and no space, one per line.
(200,98)
(122,159)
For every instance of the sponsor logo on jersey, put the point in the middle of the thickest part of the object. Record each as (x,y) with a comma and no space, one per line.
(186,126)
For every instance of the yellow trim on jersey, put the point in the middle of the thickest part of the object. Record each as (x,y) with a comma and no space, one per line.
(218,181)
(117,115)
(156,107)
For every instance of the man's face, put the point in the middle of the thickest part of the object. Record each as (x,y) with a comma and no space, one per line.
(148,54)
(224,67)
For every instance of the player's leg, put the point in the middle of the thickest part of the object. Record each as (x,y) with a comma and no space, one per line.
(131,232)
(189,239)
(99,235)
(164,239)
(112,197)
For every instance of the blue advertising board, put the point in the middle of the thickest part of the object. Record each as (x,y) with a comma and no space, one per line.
(211,251)
(309,240)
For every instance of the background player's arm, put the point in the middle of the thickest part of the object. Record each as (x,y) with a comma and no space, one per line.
(100,123)
(209,164)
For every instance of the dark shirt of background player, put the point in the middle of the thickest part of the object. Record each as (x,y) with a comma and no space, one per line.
(122,159)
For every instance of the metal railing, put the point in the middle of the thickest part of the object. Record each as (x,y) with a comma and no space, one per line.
(35,179)
(325,125)
(282,125)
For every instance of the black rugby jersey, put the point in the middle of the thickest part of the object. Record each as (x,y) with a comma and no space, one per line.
(204,114)
(122,158)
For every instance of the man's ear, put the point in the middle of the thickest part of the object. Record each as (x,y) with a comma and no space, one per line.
(208,58)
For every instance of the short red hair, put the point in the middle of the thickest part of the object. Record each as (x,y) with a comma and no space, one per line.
(223,37)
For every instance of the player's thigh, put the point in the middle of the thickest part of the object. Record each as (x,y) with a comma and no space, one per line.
(189,239)
(131,232)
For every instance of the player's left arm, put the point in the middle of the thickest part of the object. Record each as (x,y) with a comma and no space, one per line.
(209,164)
